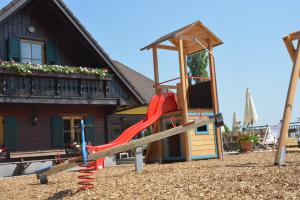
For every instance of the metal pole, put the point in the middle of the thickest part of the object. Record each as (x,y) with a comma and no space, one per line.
(139,164)
(83,145)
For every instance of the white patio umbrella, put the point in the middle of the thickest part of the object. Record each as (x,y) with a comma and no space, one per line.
(250,115)
(235,123)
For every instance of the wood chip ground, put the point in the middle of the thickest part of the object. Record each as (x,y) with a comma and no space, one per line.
(244,176)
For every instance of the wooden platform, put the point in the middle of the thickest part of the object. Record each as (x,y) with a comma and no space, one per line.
(292,142)
(37,153)
(291,150)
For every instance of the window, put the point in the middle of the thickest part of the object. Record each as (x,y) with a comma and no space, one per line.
(202,130)
(32,52)
(72,132)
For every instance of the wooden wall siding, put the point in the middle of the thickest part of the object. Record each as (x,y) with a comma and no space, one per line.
(36,137)
(202,145)
(52,26)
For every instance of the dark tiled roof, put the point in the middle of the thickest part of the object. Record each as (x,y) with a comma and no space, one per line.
(142,84)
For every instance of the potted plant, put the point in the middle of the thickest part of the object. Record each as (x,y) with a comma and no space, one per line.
(247,141)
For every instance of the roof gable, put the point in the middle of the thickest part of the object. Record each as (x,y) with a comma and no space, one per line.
(194,30)
(16,5)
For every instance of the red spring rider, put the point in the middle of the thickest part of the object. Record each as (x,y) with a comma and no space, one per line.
(86,179)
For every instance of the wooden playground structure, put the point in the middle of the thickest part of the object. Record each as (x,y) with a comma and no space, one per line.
(188,40)
(186,124)
(294,53)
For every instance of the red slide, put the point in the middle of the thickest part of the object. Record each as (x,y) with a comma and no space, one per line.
(158,105)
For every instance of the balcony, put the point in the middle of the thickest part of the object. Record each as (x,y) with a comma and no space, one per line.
(56,88)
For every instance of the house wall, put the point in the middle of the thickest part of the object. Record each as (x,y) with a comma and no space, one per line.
(50,26)
(34,137)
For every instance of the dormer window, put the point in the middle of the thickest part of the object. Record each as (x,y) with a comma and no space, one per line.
(32,52)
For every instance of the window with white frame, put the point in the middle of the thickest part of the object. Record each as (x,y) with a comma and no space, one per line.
(32,52)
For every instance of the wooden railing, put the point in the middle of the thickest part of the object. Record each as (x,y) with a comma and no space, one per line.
(14,86)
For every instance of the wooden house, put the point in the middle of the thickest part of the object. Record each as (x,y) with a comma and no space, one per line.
(40,110)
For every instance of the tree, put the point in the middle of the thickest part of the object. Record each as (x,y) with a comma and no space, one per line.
(197,64)
(227,130)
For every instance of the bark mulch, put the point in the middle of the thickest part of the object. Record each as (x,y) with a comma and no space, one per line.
(245,176)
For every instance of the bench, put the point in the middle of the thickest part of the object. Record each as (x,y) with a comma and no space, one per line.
(36,153)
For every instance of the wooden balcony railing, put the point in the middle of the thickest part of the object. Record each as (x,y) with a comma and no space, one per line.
(55,88)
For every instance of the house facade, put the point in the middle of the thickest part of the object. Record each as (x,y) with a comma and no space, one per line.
(42,110)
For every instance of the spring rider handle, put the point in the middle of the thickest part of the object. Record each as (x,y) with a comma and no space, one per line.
(84,145)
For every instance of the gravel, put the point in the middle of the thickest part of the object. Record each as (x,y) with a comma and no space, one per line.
(244,176)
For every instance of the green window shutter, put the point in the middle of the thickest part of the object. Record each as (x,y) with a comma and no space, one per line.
(57,131)
(10,132)
(52,54)
(13,49)
(90,131)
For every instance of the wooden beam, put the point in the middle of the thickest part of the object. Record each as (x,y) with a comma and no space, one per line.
(56,100)
(214,94)
(130,145)
(193,46)
(290,47)
(191,39)
(294,36)
(166,47)
(155,65)
(152,138)
(184,103)
(165,86)
(156,145)
(175,42)
(280,159)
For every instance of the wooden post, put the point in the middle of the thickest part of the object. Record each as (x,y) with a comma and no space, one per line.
(186,79)
(184,102)
(157,144)
(214,93)
(155,64)
(280,158)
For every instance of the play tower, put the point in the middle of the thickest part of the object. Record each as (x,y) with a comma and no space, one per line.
(194,101)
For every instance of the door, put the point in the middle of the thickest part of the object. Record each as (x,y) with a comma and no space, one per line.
(173,145)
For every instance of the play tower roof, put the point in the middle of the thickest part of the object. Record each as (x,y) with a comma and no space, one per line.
(195,30)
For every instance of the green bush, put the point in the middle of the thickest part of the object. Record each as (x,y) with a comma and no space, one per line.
(250,137)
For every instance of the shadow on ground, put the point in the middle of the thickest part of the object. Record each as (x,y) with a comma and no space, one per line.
(60,195)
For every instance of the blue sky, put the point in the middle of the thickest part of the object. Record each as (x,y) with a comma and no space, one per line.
(253,54)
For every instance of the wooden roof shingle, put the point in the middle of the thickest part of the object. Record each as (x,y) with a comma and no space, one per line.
(142,84)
